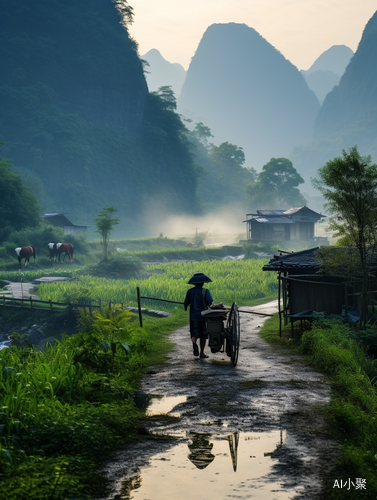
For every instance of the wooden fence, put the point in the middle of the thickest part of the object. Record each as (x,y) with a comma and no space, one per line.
(48,305)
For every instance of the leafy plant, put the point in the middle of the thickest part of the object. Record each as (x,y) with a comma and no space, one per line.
(105,223)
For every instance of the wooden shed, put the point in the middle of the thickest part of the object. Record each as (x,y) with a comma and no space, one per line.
(304,292)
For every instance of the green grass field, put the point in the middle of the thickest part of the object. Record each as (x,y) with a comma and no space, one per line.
(243,282)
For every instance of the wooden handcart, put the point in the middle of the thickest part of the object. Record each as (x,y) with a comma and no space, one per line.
(223,328)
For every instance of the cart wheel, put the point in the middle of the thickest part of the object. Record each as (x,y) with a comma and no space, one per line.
(234,327)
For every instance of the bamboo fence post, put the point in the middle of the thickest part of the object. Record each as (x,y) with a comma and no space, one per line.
(139,307)
(279,299)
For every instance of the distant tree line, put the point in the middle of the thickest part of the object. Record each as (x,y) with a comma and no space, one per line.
(224,178)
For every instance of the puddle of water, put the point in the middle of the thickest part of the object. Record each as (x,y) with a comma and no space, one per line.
(164,405)
(206,467)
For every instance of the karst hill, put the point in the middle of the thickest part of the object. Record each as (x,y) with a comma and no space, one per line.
(161,72)
(348,116)
(77,119)
(248,93)
(327,70)
(351,107)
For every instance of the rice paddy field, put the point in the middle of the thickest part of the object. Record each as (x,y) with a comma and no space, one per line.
(241,281)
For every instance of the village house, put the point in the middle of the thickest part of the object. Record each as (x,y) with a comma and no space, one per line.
(295,224)
(61,220)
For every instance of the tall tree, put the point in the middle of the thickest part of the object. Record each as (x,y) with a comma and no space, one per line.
(167,96)
(202,133)
(349,184)
(105,223)
(228,155)
(126,11)
(276,186)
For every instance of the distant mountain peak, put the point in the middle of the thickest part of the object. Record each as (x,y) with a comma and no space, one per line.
(248,93)
(162,72)
(335,59)
(371,26)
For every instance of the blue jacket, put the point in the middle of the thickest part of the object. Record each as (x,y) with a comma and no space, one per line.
(198,298)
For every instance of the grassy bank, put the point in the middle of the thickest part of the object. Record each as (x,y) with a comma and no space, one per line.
(335,350)
(63,411)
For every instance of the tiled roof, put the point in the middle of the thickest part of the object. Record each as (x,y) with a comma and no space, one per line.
(274,220)
(304,209)
(305,260)
(293,210)
(270,212)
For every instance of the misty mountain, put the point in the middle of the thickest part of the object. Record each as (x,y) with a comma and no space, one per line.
(335,59)
(348,115)
(77,120)
(321,82)
(327,70)
(161,72)
(247,93)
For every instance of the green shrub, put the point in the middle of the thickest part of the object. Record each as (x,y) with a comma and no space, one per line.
(121,266)
(334,349)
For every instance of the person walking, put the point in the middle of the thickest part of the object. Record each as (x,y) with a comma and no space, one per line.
(199,299)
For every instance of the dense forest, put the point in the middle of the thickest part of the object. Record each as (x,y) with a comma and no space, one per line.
(78,122)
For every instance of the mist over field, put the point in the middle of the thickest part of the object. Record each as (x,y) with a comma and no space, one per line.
(222,227)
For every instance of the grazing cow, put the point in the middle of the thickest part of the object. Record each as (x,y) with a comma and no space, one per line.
(66,248)
(52,250)
(25,253)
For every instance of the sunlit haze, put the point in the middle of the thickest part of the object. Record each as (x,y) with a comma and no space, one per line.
(300,29)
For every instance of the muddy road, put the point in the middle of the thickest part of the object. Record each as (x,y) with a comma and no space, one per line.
(217,432)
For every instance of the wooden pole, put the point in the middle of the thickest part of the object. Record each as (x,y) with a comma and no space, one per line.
(279,305)
(139,307)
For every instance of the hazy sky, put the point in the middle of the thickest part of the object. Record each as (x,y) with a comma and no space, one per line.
(300,29)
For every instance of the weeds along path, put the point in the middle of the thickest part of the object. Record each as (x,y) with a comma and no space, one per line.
(254,431)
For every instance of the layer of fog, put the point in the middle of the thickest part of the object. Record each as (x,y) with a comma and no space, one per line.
(221,227)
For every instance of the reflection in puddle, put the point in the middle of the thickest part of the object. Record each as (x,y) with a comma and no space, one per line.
(208,467)
(164,405)
(200,448)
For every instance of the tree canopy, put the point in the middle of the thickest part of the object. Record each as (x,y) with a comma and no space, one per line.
(19,208)
(349,185)
(222,176)
(276,186)
(105,223)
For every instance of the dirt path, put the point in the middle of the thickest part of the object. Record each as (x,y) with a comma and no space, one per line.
(21,290)
(244,432)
